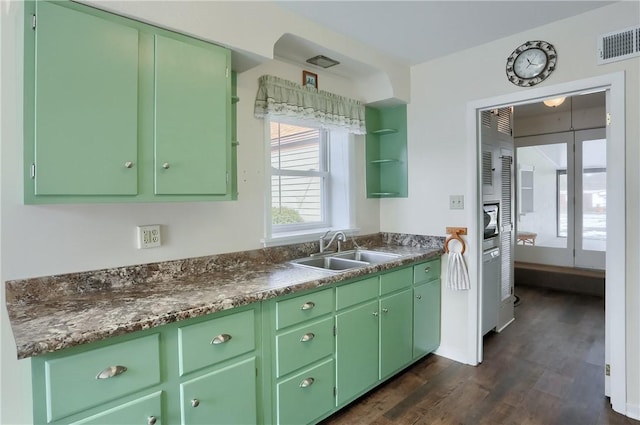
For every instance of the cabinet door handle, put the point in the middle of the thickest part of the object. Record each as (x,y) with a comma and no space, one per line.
(307,382)
(128,164)
(151,420)
(307,337)
(308,305)
(427,269)
(111,371)
(419,297)
(166,165)
(195,402)
(385,310)
(375,313)
(221,339)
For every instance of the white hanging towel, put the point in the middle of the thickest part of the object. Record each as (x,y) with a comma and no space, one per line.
(457,274)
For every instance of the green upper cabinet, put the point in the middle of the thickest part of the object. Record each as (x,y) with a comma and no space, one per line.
(191,102)
(86,105)
(121,111)
(386,152)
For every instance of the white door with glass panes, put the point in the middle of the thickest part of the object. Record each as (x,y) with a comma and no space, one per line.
(561,196)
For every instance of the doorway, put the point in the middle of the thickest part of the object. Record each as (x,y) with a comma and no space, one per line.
(615,305)
(561,183)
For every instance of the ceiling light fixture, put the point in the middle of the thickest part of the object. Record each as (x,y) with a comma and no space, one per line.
(322,61)
(552,103)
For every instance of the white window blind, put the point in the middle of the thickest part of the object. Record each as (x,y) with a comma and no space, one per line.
(299,174)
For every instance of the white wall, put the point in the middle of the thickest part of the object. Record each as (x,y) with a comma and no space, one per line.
(42,240)
(439,152)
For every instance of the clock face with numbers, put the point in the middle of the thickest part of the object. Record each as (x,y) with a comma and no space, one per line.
(531,63)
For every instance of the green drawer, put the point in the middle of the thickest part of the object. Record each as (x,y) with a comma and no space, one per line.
(71,384)
(139,411)
(305,397)
(216,340)
(304,345)
(399,279)
(356,292)
(426,272)
(305,307)
(224,397)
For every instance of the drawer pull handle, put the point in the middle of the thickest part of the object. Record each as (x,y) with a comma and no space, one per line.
(128,164)
(419,297)
(385,310)
(195,402)
(427,269)
(151,420)
(111,371)
(221,339)
(307,382)
(308,305)
(375,313)
(166,165)
(307,337)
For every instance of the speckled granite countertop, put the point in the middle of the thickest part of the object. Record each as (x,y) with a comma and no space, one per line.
(56,312)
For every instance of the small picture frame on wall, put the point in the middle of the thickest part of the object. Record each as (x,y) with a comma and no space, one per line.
(309,79)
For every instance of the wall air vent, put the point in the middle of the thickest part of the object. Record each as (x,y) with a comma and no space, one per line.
(619,45)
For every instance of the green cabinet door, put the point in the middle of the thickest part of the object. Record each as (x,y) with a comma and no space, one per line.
(426,318)
(145,410)
(86,104)
(356,350)
(396,324)
(224,397)
(192,111)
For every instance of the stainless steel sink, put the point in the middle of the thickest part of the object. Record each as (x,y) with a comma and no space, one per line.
(330,263)
(345,260)
(372,257)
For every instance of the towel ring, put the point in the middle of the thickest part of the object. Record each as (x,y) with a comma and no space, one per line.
(457,237)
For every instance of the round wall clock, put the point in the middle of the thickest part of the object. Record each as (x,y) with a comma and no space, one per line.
(531,63)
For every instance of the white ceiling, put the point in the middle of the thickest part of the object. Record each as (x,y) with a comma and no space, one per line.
(419,31)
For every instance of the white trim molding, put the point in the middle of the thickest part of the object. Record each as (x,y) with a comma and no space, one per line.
(615,296)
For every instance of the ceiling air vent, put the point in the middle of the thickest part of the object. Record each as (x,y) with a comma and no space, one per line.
(619,45)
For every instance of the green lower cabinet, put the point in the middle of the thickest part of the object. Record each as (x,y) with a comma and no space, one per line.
(356,350)
(224,397)
(426,318)
(89,379)
(396,335)
(306,396)
(145,410)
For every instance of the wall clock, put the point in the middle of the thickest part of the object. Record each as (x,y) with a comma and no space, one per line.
(531,63)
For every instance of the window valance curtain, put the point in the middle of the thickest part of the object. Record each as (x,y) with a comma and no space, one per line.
(283,98)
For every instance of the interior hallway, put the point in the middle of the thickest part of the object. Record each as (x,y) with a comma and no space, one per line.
(544,369)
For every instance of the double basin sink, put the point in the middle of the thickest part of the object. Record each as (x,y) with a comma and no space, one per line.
(345,260)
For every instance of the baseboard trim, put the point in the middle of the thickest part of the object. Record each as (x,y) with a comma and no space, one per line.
(453,354)
(633,411)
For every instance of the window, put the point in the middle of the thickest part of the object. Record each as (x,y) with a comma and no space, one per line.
(309,184)
(299,177)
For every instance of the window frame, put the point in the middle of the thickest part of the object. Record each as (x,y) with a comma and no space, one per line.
(273,231)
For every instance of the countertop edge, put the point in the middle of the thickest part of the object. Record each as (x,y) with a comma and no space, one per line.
(30,346)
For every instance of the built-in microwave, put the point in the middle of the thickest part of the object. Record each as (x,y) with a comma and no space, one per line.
(490,215)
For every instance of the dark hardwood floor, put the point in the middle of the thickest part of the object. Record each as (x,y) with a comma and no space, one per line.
(546,368)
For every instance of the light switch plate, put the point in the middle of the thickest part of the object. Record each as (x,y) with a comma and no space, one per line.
(149,236)
(456,202)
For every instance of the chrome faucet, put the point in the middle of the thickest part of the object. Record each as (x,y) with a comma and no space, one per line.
(339,236)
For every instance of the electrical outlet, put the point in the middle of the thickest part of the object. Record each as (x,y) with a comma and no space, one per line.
(456,202)
(149,236)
